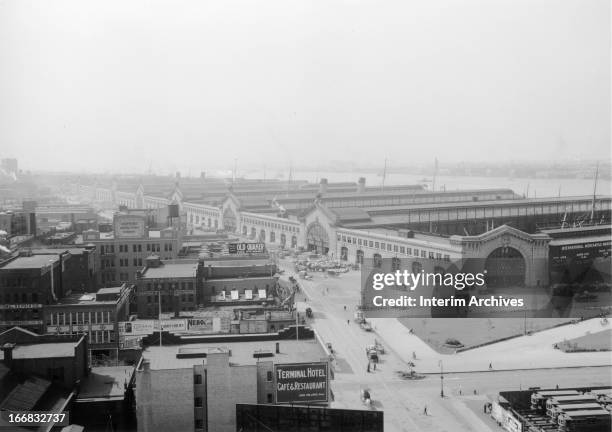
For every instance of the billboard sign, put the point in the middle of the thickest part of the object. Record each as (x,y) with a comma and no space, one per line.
(301,382)
(129,226)
(246,248)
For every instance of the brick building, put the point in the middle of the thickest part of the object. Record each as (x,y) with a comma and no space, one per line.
(95,315)
(174,282)
(27,283)
(123,252)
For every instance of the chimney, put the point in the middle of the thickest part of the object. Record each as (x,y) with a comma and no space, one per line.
(361,184)
(7,350)
(323,186)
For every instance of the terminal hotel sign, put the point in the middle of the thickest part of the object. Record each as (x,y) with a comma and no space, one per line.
(301,382)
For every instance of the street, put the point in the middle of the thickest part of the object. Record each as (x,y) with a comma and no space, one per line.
(333,301)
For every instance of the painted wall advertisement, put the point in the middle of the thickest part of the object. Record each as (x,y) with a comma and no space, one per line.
(246,248)
(129,227)
(301,382)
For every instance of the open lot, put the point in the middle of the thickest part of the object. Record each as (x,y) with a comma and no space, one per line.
(472,332)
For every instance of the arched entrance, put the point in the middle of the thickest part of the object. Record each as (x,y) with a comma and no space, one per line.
(505,267)
(317,238)
(359,259)
(230,221)
(344,253)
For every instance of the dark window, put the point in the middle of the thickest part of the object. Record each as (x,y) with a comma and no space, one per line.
(197,379)
(198,402)
(199,424)
(269,397)
(269,376)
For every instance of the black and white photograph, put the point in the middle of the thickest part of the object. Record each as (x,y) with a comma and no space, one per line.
(306,216)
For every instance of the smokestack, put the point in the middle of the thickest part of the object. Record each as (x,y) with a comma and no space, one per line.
(323,186)
(361,184)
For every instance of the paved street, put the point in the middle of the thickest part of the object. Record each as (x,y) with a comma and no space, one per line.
(403,401)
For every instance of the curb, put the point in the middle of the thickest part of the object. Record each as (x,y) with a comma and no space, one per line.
(515,370)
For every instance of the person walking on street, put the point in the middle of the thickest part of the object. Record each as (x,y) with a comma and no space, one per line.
(368,367)
(348,322)
(490,366)
(413,355)
(344,307)
(425,410)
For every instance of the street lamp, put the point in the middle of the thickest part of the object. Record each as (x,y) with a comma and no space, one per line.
(441,378)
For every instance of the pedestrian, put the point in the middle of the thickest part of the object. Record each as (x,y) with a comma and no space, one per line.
(557,386)
(348,322)
(374,365)
(490,366)
(413,355)
(345,307)
(425,410)
(368,367)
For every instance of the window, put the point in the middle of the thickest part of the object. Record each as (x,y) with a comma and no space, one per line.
(376,245)
(269,397)
(446,257)
(148,247)
(199,424)
(438,256)
(382,246)
(139,248)
(359,242)
(134,248)
(197,402)
(423,254)
(408,251)
(269,376)
(402,250)
(431,255)
(197,379)
(395,248)
(371,243)
(416,252)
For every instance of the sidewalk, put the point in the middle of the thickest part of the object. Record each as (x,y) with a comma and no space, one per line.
(525,352)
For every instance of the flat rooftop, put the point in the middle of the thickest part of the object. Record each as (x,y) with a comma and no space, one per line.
(237,263)
(105,383)
(291,351)
(167,270)
(82,299)
(44,350)
(110,290)
(32,262)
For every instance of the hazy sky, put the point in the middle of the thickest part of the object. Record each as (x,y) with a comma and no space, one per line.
(124,85)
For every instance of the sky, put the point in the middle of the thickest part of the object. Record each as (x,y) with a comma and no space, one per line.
(136,85)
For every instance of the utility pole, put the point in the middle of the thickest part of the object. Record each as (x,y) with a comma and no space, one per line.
(441,378)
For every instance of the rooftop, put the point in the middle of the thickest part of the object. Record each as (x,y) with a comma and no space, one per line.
(31,262)
(291,351)
(106,383)
(167,270)
(45,350)
(237,263)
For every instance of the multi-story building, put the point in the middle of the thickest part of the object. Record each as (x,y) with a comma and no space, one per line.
(79,273)
(123,252)
(228,279)
(95,315)
(196,388)
(174,282)
(28,283)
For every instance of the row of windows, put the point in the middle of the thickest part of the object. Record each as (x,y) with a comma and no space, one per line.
(389,247)
(137,247)
(23,298)
(284,227)
(124,262)
(79,318)
(169,285)
(185,298)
